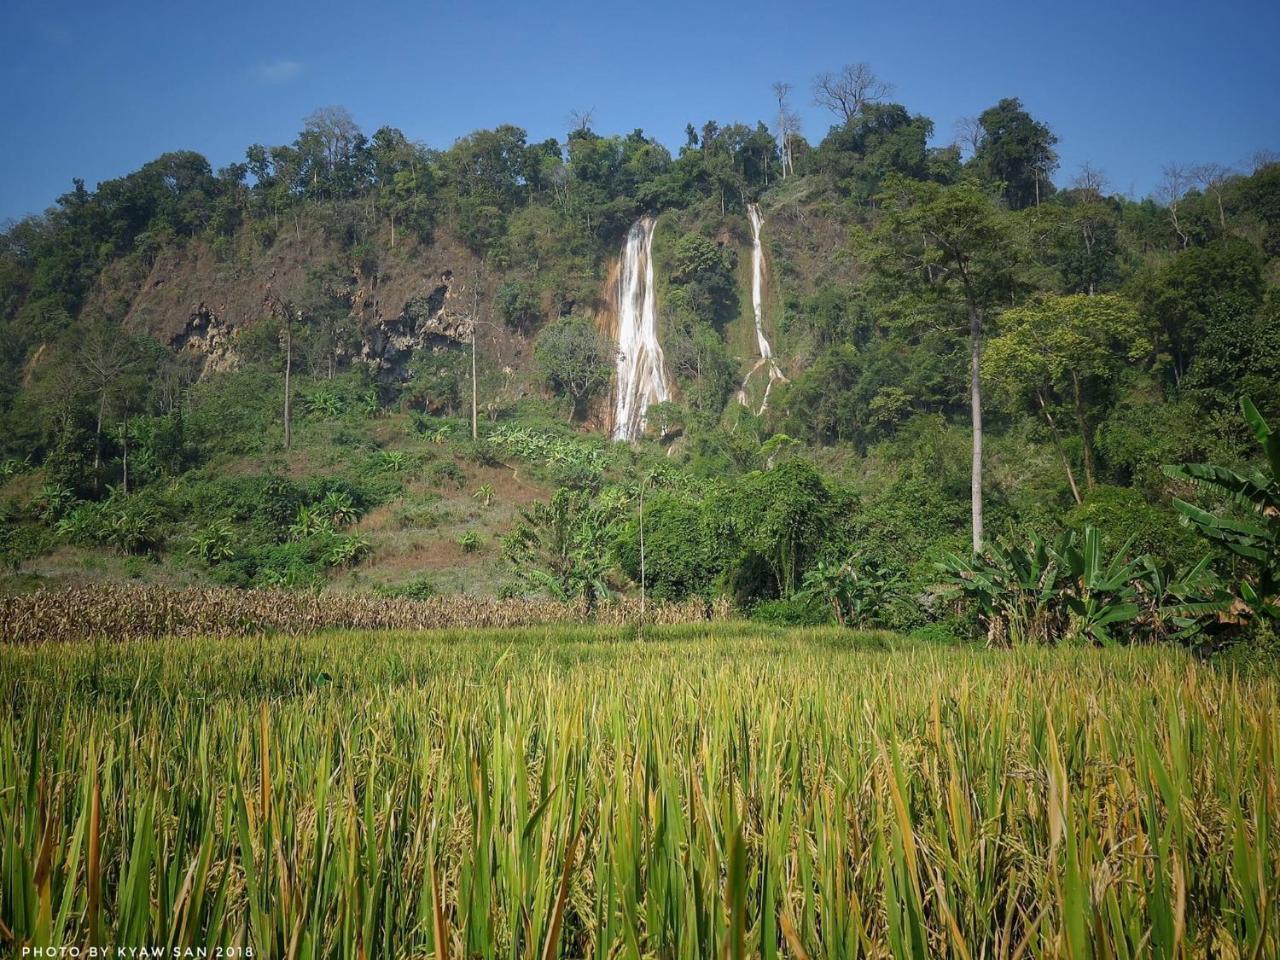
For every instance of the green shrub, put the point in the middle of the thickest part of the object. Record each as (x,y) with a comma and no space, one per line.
(683,555)
(419,588)
(214,543)
(446,473)
(792,612)
(946,633)
(1123,515)
(129,524)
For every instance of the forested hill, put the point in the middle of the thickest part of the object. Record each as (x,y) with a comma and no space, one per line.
(148,326)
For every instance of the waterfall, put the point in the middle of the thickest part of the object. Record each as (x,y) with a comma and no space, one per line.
(757,305)
(757,279)
(642,378)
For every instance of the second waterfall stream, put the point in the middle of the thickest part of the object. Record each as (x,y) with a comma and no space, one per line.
(642,377)
(757,306)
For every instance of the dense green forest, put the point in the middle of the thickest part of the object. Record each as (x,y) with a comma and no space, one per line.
(262,376)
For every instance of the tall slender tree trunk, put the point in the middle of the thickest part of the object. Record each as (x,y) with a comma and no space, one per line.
(97,435)
(1057,442)
(288,372)
(1086,432)
(124,440)
(475,330)
(975,408)
(642,568)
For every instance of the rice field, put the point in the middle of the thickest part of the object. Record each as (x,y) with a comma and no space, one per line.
(710,790)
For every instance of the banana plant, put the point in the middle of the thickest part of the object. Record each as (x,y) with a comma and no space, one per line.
(1072,589)
(1013,586)
(1101,592)
(1255,537)
(858,590)
(1178,604)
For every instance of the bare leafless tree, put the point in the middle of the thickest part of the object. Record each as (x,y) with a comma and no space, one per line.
(1211,178)
(1263,159)
(105,357)
(1173,187)
(580,121)
(969,135)
(788,126)
(338,136)
(847,92)
(1091,181)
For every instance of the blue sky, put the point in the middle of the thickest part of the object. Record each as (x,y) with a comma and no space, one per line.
(95,89)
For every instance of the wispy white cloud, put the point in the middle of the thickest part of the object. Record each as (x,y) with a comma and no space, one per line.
(278,71)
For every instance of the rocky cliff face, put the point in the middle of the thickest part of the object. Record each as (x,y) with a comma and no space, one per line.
(408,299)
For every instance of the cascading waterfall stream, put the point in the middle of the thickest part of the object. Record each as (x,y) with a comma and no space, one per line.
(642,377)
(757,305)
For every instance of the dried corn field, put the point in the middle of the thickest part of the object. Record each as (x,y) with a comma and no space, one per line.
(715,790)
(136,613)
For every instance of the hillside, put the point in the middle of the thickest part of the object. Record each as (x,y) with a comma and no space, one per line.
(149,328)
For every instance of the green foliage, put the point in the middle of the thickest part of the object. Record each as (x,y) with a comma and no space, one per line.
(519,306)
(1122,515)
(1185,299)
(446,473)
(340,551)
(797,611)
(684,555)
(703,280)
(1071,589)
(19,541)
(129,524)
(549,449)
(574,360)
(563,545)
(1016,150)
(858,590)
(418,588)
(214,543)
(393,461)
(779,519)
(1253,533)
(882,139)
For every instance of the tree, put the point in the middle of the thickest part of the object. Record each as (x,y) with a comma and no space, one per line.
(1212,179)
(1261,194)
(1017,150)
(702,277)
(333,151)
(788,125)
(1173,187)
(1197,291)
(846,92)
(782,517)
(106,357)
(1064,346)
(563,545)
(286,314)
(575,359)
(882,139)
(945,250)
(405,181)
